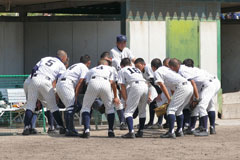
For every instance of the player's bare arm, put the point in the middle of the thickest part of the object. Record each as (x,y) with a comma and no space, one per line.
(195,89)
(124,92)
(78,88)
(114,88)
(165,91)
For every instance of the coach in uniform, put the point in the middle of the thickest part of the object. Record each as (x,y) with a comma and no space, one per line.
(119,52)
(44,75)
(68,87)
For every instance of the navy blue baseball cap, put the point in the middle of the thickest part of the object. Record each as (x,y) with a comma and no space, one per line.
(121,38)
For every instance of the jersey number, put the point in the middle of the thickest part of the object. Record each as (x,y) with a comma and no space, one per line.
(49,63)
(133,70)
(101,67)
(70,68)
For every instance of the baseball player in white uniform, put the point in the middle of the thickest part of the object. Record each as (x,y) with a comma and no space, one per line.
(117,53)
(100,83)
(25,87)
(119,107)
(154,90)
(44,74)
(183,92)
(136,97)
(208,90)
(68,87)
(121,51)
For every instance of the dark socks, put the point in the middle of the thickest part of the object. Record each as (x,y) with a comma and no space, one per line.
(50,119)
(86,120)
(141,123)
(28,118)
(187,117)
(110,118)
(180,122)
(193,122)
(152,106)
(212,117)
(171,120)
(160,119)
(204,121)
(121,115)
(58,118)
(129,121)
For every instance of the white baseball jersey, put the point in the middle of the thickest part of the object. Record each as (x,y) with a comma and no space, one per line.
(148,72)
(40,86)
(101,71)
(137,91)
(130,74)
(51,67)
(118,55)
(170,78)
(148,75)
(99,87)
(199,76)
(67,82)
(75,73)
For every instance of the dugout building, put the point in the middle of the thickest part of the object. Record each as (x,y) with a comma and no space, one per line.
(155,28)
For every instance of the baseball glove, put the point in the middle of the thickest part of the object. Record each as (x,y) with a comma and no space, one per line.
(161,110)
(194,104)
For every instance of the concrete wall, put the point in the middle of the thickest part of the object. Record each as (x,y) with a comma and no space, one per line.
(208,47)
(77,38)
(230,34)
(11,48)
(148,39)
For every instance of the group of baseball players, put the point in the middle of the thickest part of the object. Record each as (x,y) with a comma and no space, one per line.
(122,83)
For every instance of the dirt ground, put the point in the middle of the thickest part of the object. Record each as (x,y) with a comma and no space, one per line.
(224,145)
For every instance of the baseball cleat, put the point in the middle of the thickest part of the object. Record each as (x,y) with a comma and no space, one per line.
(111,134)
(157,126)
(212,130)
(123,126)
(147,126)
(165,125)
(168,135)
(85,135)
(62,130)
(179,134)
(129,135)
(26,132)
(33,131)
(189,131)
(139,134)
(201,133)
(70,133)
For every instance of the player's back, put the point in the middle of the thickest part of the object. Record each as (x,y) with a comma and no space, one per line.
(51,67)
(102,71)
(75,72)
(148,72)
(170,78)
(130,74)
(195,74)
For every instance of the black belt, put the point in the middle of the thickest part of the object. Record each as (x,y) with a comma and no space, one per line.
(137,82)
(64,79)
(184,83)
(94,77)
(47,78)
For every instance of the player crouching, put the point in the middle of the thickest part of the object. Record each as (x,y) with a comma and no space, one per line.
(100,82)
(137,96)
